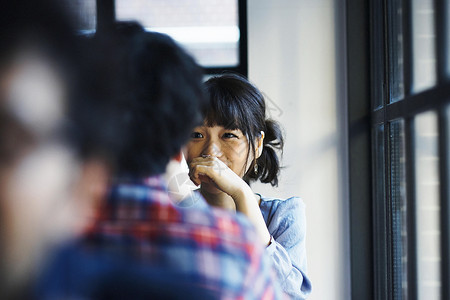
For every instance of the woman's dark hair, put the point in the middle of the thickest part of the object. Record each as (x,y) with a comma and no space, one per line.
(235,103)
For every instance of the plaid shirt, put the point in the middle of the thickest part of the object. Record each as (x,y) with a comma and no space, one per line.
(217,250)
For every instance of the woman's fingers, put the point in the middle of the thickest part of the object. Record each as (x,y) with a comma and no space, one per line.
(211,170)
(202,172)
(216,166)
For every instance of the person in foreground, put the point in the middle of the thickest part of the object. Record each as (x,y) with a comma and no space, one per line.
(211,250)
(51,169)
(236,145)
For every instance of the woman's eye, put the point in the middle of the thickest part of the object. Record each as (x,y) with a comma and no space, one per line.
(196,135)
(229,135)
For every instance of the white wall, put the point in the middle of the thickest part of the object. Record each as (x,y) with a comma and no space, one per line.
(295,59)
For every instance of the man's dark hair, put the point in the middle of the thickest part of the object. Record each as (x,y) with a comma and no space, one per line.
(160,90)
(43,23)
(45,28)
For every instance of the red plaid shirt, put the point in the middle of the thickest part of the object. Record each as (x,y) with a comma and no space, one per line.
(217,249)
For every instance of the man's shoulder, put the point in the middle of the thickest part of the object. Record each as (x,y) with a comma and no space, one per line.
(152,206)
(217,248)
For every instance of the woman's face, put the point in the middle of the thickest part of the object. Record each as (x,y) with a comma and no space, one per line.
(230,146)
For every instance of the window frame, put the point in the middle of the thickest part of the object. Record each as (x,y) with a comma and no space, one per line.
(369,79)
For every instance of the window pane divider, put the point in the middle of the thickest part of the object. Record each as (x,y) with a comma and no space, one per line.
(106,14)
(243,42)
(444,169)
(389,233)
(408,61)
(441,40)
(414,104)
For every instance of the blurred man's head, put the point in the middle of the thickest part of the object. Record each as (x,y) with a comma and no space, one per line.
(44,151)
(37,169)
(162,93)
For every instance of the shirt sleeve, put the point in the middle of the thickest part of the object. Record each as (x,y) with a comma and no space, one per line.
(287,247)
(260,280)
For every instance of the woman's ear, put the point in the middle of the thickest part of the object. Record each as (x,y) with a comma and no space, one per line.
(260,144)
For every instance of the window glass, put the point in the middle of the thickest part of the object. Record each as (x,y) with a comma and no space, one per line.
(398,209)
(397,89)
(448,145)
(381,244)
(86,13)
(378,57)
(423,45)
(208,29)
(379,163)
(427,206)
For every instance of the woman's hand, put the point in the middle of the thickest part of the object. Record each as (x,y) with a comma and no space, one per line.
(211,170)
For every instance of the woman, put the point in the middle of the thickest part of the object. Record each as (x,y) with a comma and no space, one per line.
(235,146)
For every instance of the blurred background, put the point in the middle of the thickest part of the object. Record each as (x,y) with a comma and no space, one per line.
(296,56)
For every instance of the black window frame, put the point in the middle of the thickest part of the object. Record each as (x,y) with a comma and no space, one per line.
(368,75)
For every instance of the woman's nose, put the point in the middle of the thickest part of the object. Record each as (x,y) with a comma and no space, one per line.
(212,149)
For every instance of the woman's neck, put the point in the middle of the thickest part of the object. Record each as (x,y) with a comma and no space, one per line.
(219,199)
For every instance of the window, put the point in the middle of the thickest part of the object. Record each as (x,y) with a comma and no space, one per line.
(85,12)
(214,32)
(423,44)
(398,103)
(208,29)
(427,210)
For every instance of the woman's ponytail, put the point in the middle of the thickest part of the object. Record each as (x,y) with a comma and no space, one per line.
(268,164)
